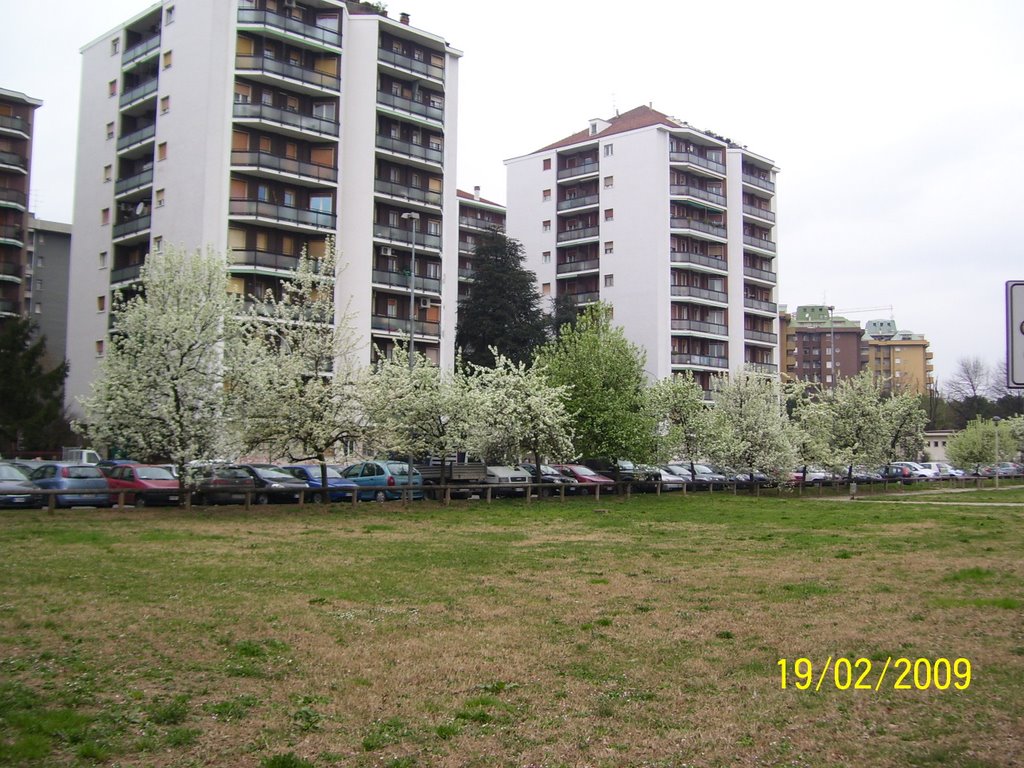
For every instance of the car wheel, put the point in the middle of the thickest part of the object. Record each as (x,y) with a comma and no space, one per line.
(318,498)
(380,496)
(140,502)
(583,491)
(262,498)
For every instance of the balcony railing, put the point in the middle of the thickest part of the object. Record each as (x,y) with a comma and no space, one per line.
(136,137)
(763,306)
(125,274)
(583,265)
(579,170)
(702,194)
(12,233)
(478,223)
(266,161)
(466,273)
(409,63)
(410,150)
(761,213)
(131,227)
(467,247)
(757,181)
(9,307)
(14,160)
(762,336)
(700,326)
(694,159)
(578,234)
(401,280)
(137,181)
(284,213)
(698,226)
(686,257)
(762,367)
(407,192)
(279,262)
(285,69)
(761,274)
(413,107)
(584,297)
(578,202)
(398,325)
(401,235)
(706,361)
(14,123)
(13,196)
(10,270)
(286,117)
(253,17)
(140,50)
(759,242)
(138,93)
(692,291)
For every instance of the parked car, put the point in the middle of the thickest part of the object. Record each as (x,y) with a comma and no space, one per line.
(586,478)
(221,484)
(548,476)
(707,477)
(15,488)
(811,475)
(80,482)
(897,472)
(1008,469)
(384,479)
(621,470)
(142,485)
(273,484)
(681,472)
(509,481)
(338,487)
(107,465)
(916,470)
(865,475)
(670,481)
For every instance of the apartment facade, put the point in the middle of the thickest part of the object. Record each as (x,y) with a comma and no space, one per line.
(818,346)
(17,114)
(262,129)
(47,272)
(899,360)
(477,217)
(672,226)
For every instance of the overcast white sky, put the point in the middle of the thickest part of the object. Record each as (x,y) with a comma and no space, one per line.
(898,125)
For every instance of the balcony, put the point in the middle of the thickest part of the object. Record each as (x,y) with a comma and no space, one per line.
(700,326)
(759,242)
(11,234)
(761,336)
(406,192)
(262,65)
(579,170)
(9,308)
(140,51)
(10,272)
(409,64)
(693,292)
(580,233)
(694,159)
(133,183)
(688,190)
(268,162)
(131,227)
(757,181)
(467,247)
(761,213)
(274,22)
(407,148)
(136,137)
(256,259)
(400,235)
(761,306)
(583,265)
(14,124)
(138,93)
(13,198)
(286,118)
(127,274)
(398,326)
(760,274)
(578,202)
(475,222)
(429,111)
(12,161)
(401,280)
(466,273)
(284,214)
(584,297)
(769,368)
(706,361)
(686,257)
(716,230)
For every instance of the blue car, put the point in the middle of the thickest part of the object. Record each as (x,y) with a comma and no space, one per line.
(384,478)
(80,483)
(339,489)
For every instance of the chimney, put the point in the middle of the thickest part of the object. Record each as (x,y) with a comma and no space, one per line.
(476,193)
(404,18)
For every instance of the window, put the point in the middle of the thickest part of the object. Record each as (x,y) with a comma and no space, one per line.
(101,303)
(322,203)
(546,225)
(609,246)
(158,244)
(547,163)
(392,308)
(39,308)
(99,348)
(609,214)
(609,181)
(546,257)
(609,150)
(39,284)
(115,46)
(161,150)
(165,105)
(110,130)
(289,198)
(325,110)
(108,173)
(267,98)
(159,198)
(112,88)
(242,93)
(545,195)
(105,216)
(169,15)
(545,289)
(609,281)
(168,58)
(103,259)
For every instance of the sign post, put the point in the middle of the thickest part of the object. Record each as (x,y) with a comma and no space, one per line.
(1015,334)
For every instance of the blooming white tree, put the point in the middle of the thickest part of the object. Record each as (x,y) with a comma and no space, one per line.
(159,392)
(903,422)
(750,429)
(683,417)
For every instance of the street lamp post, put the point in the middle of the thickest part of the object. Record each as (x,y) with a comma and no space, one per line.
(413,217)
(995,422)
(832,342)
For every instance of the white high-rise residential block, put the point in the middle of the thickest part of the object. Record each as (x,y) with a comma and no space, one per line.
(260,128)
(672,226)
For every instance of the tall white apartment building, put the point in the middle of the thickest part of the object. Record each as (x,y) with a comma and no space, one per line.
(672,226)
(260,128)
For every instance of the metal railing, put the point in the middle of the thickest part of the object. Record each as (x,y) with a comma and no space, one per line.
(700,326)
(578,234)
(409,63)
(420,108)
(407,192)
(707,361)
(410,149)
(268,161)
(14,160)
(12,232)
(401,280)
(286,213)
(579,170)
(757,181)
(15,196)
(132,226)
(286,69)
(253,17)
(140,50)
(694,292)
(138,93)
(683,222)
(398,325)
(136,137)
(125,274)
(761,274)
(765,336)
(401,235)
(133,182)
(686,257)
(286,117)
(583,265)
(263,259)
(689,190)
(762,213)
(14,123)
(584,297)
(578,202)
(759,242)
(694,159)
(764,306)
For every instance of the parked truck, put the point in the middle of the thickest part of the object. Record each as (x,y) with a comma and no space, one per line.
(458,473)
(80,455)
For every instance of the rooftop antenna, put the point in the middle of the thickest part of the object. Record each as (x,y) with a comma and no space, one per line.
(615,107)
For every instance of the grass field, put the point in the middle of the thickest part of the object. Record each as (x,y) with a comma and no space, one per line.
(639,633)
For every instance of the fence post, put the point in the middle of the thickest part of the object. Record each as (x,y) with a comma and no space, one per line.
(487,494)
(120,499)
(597,492)
(447,496)
(529,493)
(248,500)
(355,496)
(561,492)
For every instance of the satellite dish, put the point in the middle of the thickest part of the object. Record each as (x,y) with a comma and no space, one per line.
(140,208)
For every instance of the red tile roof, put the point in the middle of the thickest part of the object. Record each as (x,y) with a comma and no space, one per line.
(473,198)
(640,117)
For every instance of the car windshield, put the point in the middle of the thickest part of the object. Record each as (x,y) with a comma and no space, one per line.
(273,474)
(702,470)
(153,473)
(83,473)
(585,471)
(398,467)
(7,472)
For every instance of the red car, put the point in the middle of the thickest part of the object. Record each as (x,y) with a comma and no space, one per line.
(585,477)
(143,485)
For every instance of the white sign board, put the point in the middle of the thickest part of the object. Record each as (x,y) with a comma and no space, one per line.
(1015,333)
